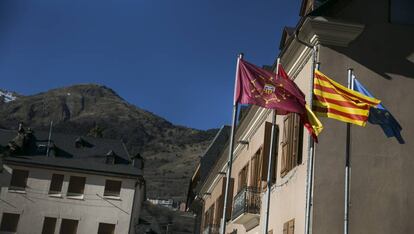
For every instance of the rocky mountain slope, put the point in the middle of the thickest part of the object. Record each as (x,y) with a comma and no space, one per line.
(170,151)
(6,96)
(159,219)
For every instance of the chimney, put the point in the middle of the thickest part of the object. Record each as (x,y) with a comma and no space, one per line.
(138,161)
(79,142)
(110,157)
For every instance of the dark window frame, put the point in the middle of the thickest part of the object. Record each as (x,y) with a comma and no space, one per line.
(102,226)
(64,224)
(112,193)
(6,226)
(73,183)
(17,185)
(46,228)
(54,185)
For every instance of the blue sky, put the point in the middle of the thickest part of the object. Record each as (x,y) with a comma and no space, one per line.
(175,58)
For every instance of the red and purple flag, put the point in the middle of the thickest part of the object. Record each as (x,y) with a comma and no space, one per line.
(264,88)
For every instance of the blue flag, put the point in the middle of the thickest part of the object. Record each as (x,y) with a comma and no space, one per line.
(381,116)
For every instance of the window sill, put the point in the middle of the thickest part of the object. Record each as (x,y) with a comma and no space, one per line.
(17,191)
(112,198)
(75,197)
(56,195)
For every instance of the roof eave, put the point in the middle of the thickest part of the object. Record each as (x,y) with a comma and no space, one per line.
(67,168)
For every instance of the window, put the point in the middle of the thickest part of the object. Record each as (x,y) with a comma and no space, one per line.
(41,149)
(18,180)
(49,225)
(106,228)
(112,188)
(76,186)
(68,226)
(289,227)
(242,183)
(110,159)
(56,184)
(292,143)
(9,222)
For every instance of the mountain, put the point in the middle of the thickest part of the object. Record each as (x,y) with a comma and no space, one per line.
(170,151)
(6,96)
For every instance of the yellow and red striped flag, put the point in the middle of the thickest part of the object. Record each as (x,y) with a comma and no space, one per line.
(338,102)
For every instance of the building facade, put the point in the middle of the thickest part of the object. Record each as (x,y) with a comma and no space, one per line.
(374,38)
(81,185)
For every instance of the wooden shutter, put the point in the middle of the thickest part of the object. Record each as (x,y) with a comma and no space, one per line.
(240,180)
(208,218)
(292,143)
(242,183)
(285,228)
(284,160)
(230,199)
(219,209)
(205,220)
(211,218)
(256,169)
(259,166)
(286,149)
(266,150)
(253,171)
(291,229)
(275,155)
(203,217)
(294,138)
(245,175)
(299,147)
(229,196)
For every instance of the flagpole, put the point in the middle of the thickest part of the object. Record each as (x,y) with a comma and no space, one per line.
(311,153)
(348,162)
(231,148)
(270,161)
(49,138)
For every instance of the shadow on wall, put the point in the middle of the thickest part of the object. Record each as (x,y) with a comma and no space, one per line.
(385,49)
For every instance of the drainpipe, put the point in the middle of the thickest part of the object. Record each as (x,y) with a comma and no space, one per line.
(133,212)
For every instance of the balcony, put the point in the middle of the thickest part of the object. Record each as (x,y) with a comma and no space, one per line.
(212,229)
(246,207)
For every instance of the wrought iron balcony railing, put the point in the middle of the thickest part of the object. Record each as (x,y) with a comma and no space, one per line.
(248,200)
